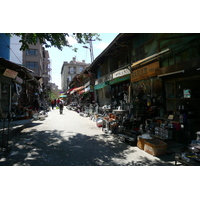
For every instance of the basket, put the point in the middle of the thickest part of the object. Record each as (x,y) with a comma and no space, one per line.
(155,147)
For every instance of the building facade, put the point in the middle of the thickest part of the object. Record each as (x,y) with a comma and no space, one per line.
(70,70)
(33,59)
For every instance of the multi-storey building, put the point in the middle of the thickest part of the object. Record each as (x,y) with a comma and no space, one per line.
(37,59)
(33,59)
(70,70)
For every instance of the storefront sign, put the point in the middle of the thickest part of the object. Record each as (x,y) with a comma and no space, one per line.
(103,79)
(18,80)
(10,73)
(120,73)
(119,79)
(101,85)
(144,72)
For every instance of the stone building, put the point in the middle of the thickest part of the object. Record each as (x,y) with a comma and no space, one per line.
(70,70)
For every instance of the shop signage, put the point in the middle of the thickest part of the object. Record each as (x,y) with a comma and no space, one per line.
(10,73)
(119,79)
(144,72)
(103,79)
(119,73)
(100,85)
(18,80)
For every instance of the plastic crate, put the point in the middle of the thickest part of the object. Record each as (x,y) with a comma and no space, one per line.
(155,147)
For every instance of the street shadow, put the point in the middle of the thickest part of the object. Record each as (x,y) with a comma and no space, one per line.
(58,148)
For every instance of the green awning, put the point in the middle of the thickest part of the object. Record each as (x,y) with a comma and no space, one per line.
(101,85)
(119,79)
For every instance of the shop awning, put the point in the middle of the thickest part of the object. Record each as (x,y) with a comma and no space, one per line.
(79,88)
(81,92)
(68,91)
(150,58)
(101,85)
(62,96)
(119,79)
(171,73)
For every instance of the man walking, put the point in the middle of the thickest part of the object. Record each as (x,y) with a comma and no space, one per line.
(60,105)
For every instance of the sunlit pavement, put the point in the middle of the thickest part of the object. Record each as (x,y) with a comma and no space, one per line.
(72,140)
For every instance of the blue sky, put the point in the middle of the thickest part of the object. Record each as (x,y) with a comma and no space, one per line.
(58,57)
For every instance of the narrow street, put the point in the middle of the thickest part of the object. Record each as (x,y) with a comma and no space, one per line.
(72,140)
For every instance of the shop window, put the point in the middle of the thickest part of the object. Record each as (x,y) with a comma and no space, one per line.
(182,94)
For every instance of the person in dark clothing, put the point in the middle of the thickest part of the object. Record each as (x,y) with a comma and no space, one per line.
(61,105)
(52,104)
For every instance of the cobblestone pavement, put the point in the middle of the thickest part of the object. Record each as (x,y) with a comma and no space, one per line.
(72,140)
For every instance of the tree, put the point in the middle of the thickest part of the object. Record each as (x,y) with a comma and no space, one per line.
(58,40)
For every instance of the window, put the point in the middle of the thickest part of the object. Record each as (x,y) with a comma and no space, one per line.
(69,78)
(31,52)
(32,65)
(80,69)
(72,70)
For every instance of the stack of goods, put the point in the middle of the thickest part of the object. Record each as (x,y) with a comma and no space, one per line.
(112,120)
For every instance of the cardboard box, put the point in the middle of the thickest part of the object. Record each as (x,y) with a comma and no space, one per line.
(140,143)
(155,147)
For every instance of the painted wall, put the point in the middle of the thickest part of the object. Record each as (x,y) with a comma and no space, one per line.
(4,46)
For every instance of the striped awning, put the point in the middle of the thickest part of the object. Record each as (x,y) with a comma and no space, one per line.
(77,89)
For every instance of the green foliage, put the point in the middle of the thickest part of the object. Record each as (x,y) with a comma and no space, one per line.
(52,96)
(58,40)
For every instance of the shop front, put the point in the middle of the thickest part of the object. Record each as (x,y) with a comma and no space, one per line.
(182,97)
(103,90)
(146,92)
(6,77)
(120,85)
(17,89)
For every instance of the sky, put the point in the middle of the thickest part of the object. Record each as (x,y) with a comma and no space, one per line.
(57,57)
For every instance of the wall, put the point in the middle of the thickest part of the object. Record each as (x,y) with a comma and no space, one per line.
(4,46)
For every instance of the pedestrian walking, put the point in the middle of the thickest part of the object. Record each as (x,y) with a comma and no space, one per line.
(58,102)
(61,105)
(52,104)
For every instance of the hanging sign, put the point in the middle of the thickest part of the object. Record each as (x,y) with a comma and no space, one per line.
(10,73)
(144,72)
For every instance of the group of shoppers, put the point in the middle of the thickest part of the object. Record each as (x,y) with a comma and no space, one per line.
(58,102)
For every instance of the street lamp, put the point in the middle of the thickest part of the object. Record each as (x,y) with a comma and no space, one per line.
(91,50)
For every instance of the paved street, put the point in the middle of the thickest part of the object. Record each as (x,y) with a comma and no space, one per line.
(72,140)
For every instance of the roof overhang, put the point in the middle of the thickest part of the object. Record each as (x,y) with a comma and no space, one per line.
(150,58)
